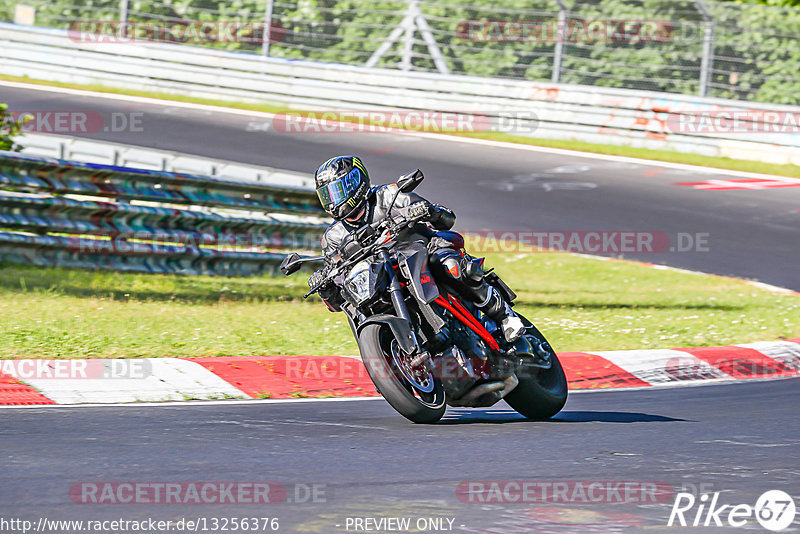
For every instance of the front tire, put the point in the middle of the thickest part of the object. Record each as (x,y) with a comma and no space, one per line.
(375,344)
(543,395)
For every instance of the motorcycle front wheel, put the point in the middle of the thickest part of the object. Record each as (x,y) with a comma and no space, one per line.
(379,352)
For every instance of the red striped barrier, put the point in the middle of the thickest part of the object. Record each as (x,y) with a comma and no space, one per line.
(284,377)
(14,392)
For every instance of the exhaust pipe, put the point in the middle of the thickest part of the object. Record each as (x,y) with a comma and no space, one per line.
(469,399)
(509,383)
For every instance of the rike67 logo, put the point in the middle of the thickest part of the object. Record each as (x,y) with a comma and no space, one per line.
(774,510)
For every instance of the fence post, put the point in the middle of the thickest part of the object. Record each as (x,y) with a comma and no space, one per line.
(408,37)
(707,61)
(267,33)
(413,20)
(123,17)
(561,35)
(385,45)
(430,40)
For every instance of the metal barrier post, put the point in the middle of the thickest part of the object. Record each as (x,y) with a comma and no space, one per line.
(561,35)
(123,17)
(707,62)
(267,33)
(408,37)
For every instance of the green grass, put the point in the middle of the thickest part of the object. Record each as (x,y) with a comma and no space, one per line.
(644,153)
(579,303)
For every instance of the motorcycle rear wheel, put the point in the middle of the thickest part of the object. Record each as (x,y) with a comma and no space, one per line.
(543,395)
(375,344)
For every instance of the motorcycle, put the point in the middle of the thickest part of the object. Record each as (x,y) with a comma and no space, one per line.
(424,347)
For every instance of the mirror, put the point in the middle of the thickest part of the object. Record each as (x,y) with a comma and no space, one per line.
(291,263)
(409,181)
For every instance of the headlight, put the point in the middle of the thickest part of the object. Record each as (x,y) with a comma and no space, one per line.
(357,283)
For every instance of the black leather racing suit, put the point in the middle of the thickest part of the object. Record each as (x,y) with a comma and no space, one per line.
(445,248)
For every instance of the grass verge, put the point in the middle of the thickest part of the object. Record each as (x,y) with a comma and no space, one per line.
(579,303)
(643,153)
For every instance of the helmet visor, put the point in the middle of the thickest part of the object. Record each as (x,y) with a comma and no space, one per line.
(338,191)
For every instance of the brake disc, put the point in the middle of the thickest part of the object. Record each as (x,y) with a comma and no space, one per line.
(419,377)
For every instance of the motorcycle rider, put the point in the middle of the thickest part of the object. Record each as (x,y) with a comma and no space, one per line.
(343,187)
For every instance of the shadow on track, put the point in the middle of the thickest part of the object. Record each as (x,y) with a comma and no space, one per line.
(494,416)
(612,417)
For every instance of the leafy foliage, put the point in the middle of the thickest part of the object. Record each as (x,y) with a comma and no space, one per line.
(653,45)
(9,128)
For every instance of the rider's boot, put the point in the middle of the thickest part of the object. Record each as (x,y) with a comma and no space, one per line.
(501,313)
(468,274)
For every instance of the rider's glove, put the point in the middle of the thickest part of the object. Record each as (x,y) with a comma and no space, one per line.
(438,216)
(317,278)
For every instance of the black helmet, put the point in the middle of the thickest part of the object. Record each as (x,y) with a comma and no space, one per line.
(342,186)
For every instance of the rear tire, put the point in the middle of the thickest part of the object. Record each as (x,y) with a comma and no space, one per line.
(374,342)
(543,395)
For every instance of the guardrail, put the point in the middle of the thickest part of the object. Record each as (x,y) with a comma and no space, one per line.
(74,214)
(104,152)
(539,110)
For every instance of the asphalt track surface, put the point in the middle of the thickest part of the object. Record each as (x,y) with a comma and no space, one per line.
(374,463)
(739,439)
(745,233)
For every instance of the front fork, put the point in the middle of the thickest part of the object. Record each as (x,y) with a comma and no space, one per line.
(400,308)
(395,288)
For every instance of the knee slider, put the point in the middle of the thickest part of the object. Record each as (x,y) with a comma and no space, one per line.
(474,269)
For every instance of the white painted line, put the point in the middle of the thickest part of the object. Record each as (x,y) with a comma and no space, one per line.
(194,403)
(609,157)
(132,98)
(679,384)
(760,285)
(770,287)
(169,379)
(429,135)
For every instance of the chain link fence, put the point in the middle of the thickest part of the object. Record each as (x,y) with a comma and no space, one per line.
(701,47)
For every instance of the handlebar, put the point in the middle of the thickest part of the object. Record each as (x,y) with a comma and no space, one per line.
(390,226)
